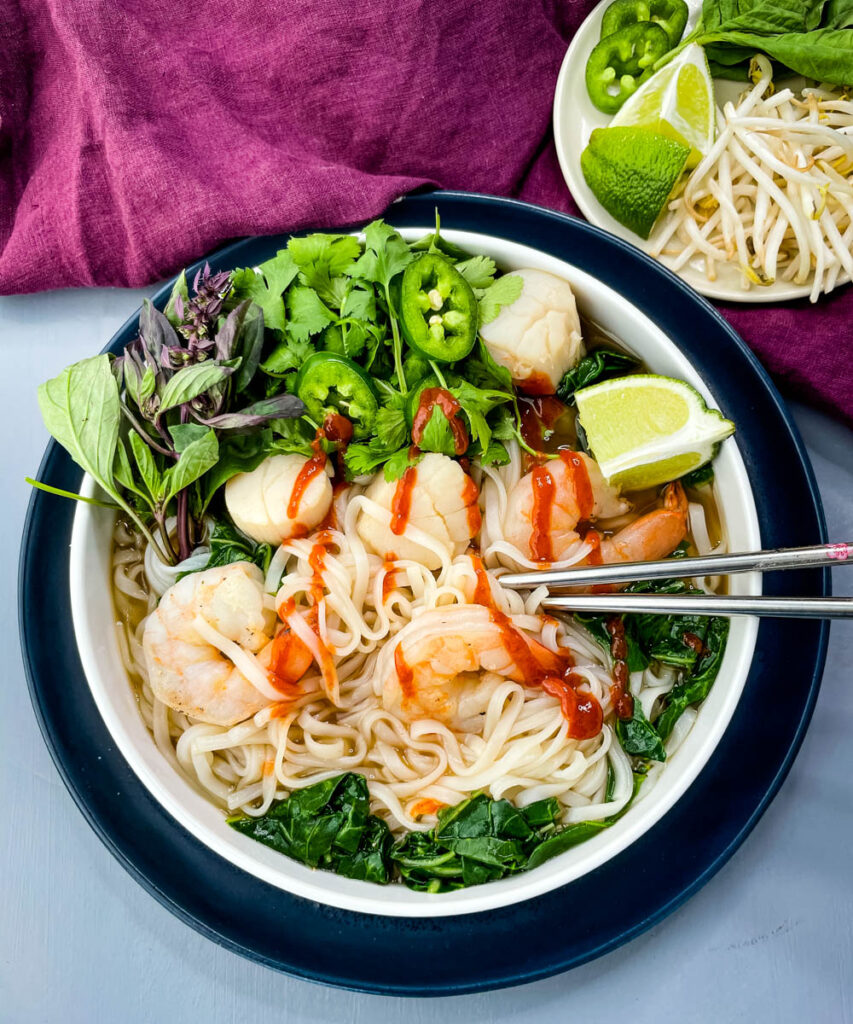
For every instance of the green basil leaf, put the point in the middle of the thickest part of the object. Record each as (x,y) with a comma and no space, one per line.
(147,467)
(825,54)
(82,410)
(183,434)
(838,14)
(195,460)
(190,382)
(123,473)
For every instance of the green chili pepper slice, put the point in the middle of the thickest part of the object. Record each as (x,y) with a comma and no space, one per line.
(621,62)
(670,15)
(438,309)
(331,383)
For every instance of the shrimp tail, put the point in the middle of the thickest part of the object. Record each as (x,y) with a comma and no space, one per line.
(654,535)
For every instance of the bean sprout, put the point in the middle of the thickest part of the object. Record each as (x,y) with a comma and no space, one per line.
(774,195)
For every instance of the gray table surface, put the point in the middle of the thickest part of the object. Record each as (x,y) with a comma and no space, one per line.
(768,939)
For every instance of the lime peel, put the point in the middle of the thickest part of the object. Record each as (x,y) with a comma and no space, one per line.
(632,172)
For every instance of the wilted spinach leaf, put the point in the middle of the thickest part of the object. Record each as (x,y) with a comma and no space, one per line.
(599,365)
(702,475)
(228,545)
(638,736)
(696,686)
(327,825)
(692,643)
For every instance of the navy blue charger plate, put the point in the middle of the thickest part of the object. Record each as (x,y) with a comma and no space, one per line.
(530,940)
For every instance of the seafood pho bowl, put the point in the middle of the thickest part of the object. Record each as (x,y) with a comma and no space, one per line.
(287,595)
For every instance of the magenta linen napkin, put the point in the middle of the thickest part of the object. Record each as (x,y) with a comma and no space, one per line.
(135,137)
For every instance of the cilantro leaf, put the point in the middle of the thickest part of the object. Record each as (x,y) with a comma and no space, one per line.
(495,455)
(391,428)
(322,261)
(362,459)
(486,372)
(477,403)
(390,396)
(288,354)
(294,437)
(479,271)
(502,293)
(385,255)
(346,337)
(307,314)
(266,287)
(437,435)
(399,462)
(505,427)
(483,400)
(360,302)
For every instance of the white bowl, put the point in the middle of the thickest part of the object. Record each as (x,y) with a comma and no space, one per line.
(96,639)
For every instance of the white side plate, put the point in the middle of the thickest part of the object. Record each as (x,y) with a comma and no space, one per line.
(574,119)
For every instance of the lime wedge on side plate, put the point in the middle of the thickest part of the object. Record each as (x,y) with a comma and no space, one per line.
(645,430)
(632,172)
(677,101)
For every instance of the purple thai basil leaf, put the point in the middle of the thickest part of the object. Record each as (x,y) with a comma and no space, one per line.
(155,330)
(281,407)
(117,366)
(249,348)
(174,308)
(199,274)
(229,332)
(175,356)
(207,404)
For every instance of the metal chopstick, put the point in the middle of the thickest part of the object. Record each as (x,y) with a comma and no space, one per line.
(820,555)
(706,604)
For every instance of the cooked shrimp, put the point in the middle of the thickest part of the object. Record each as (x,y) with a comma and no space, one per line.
(436,499)
(654,535)
(286,496)
(448,661)
(537,337)
(202,643)
(546,505)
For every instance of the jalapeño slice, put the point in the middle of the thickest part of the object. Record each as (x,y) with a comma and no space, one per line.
(438,309)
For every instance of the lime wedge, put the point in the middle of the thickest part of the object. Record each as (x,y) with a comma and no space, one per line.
(677,101)
(646,430)
(632,172)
